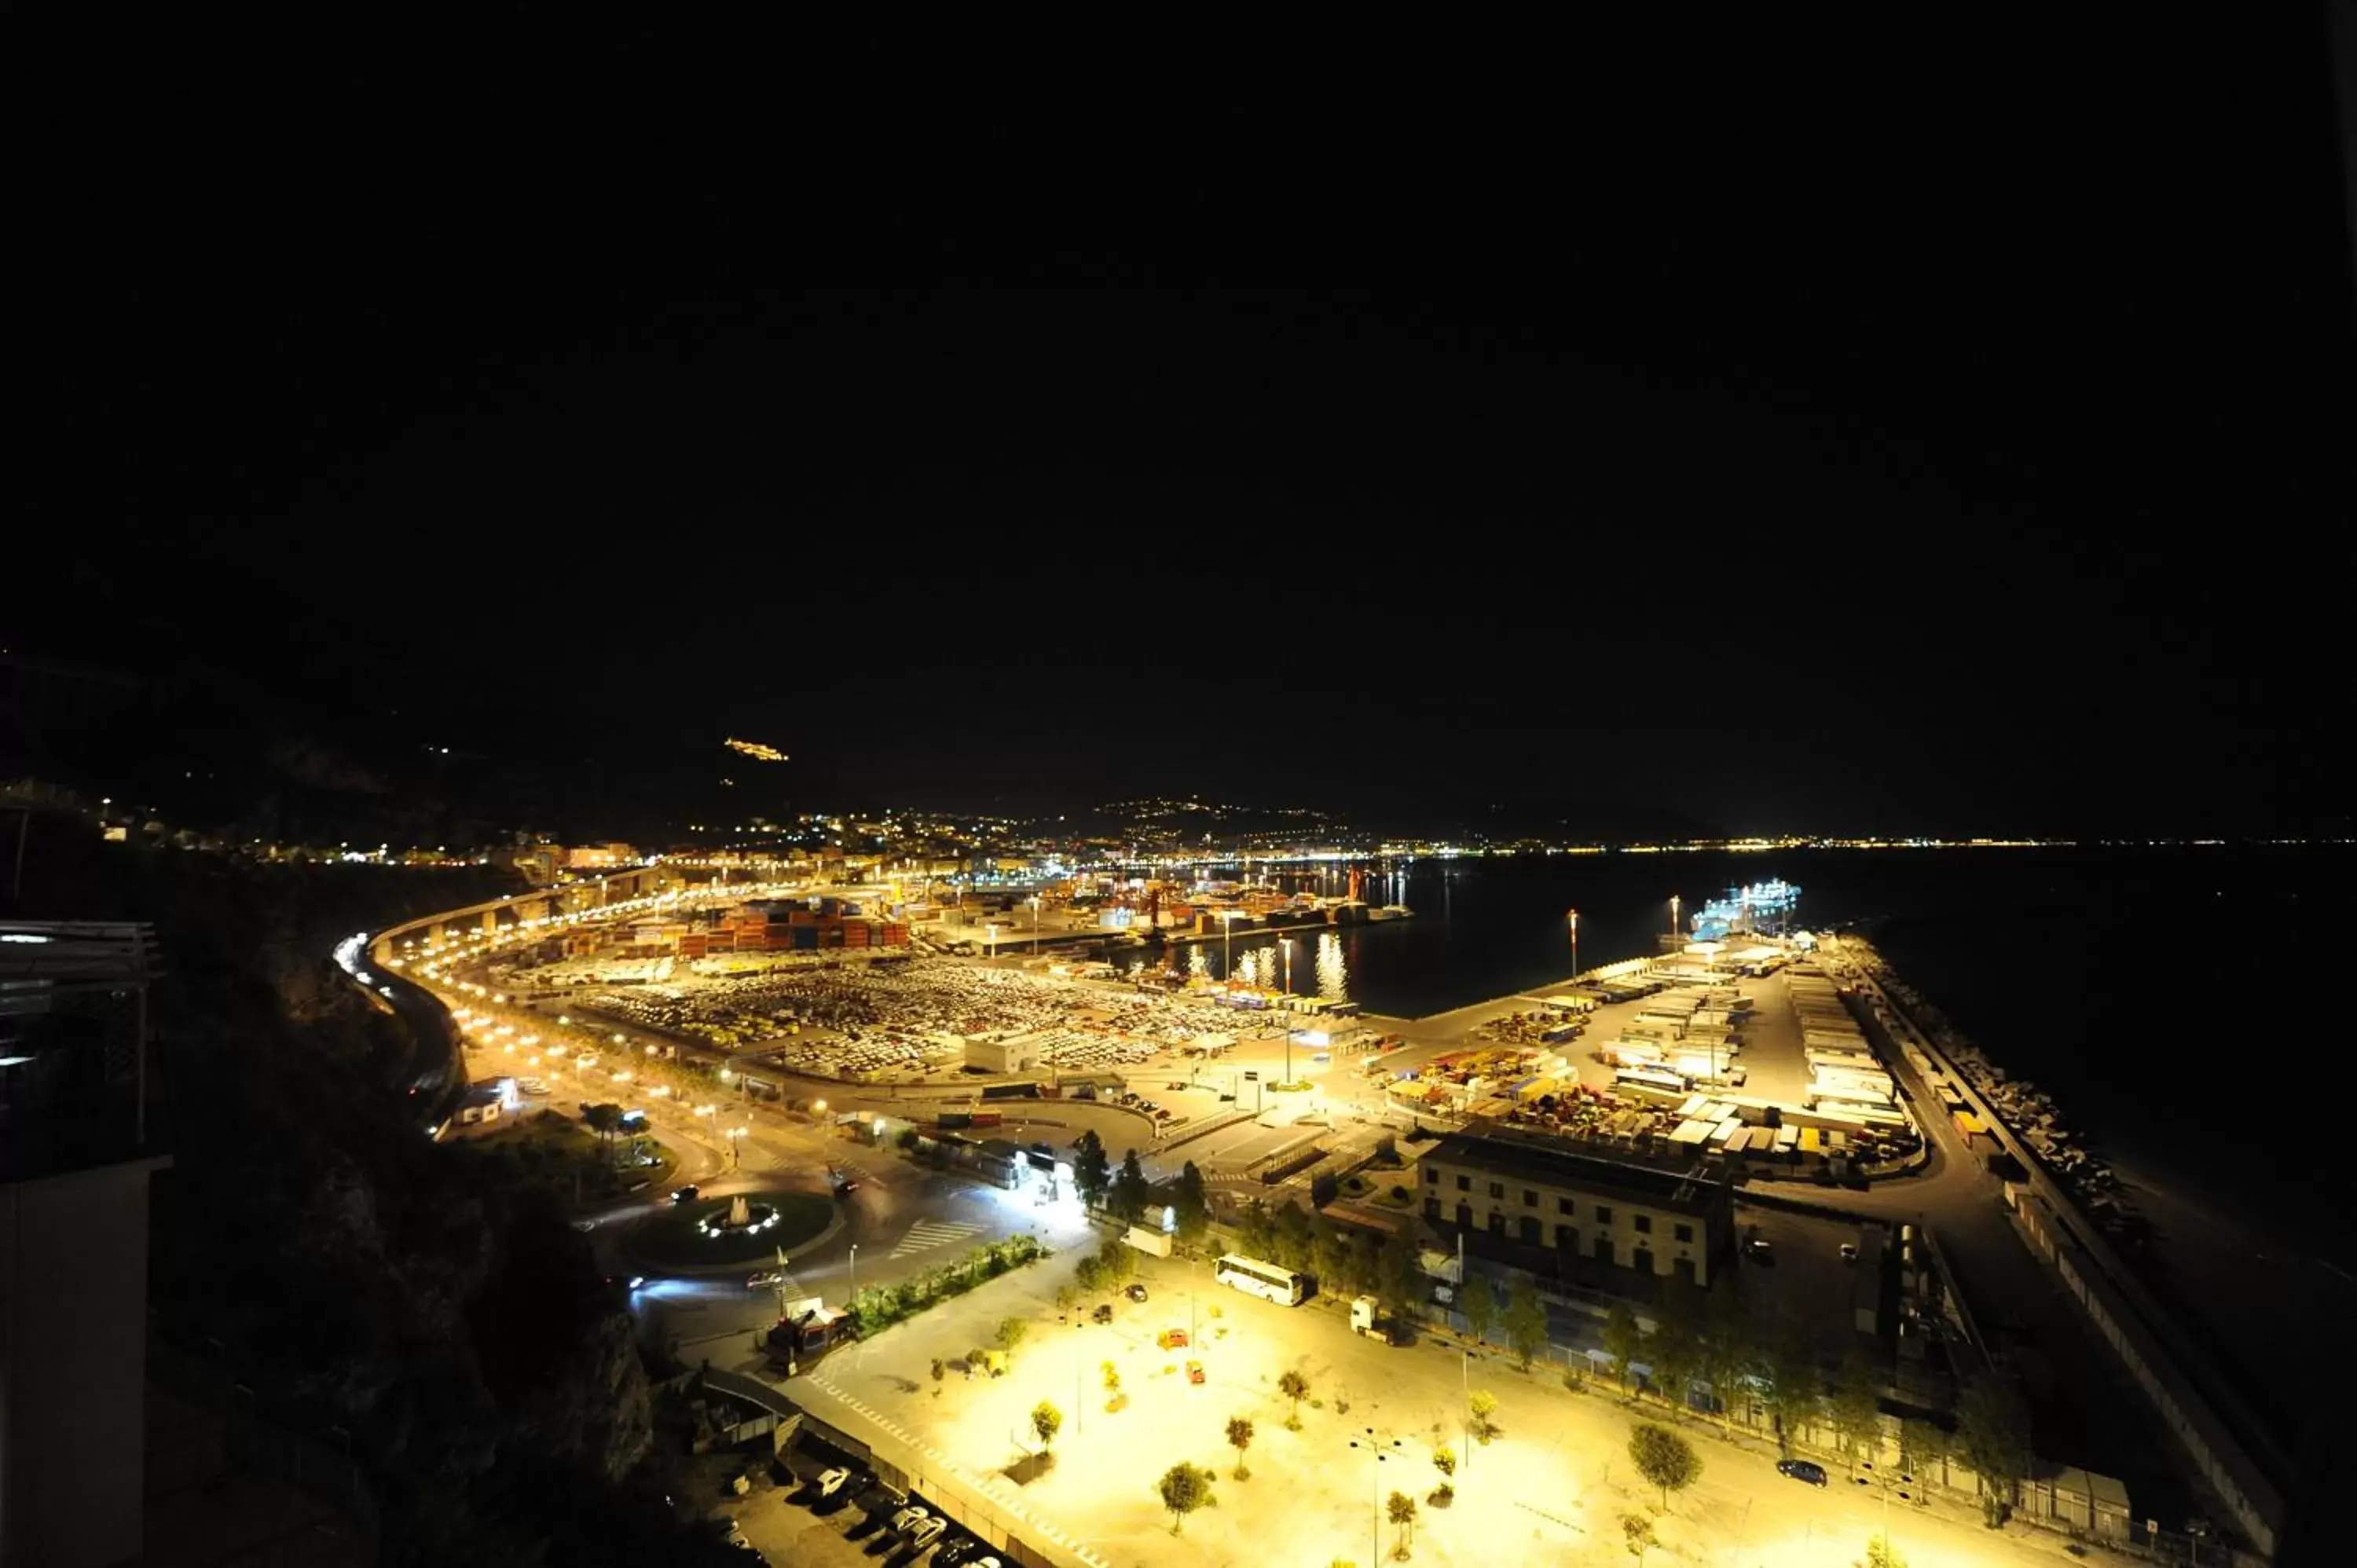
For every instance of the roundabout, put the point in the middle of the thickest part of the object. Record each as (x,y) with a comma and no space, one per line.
(726,1231)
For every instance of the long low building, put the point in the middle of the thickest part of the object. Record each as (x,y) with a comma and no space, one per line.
(1539,1193)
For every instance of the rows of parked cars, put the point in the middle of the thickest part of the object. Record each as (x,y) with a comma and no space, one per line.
(899,1526)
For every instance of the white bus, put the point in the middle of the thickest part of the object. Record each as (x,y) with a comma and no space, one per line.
(1267,1281)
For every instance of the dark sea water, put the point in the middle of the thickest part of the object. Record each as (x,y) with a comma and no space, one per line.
(2128,982)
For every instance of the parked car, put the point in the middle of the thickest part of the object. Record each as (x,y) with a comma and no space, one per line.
(1171,1339)
(1102,1315)
(926,1533)
(1849,1252)
(1806,1470)
(1135,1292)
(1760,1248)
(687,1194)
(908,1518)
(1194,1372)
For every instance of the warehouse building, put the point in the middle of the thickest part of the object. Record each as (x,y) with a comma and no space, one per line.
(1537,1193)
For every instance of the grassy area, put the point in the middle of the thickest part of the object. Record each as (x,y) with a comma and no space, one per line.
(671,1238)
(556,1151)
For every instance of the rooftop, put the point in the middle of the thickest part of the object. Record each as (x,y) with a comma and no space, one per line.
(1486,1147)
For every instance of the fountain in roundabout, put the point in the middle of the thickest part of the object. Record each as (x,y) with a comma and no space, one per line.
(743,1217)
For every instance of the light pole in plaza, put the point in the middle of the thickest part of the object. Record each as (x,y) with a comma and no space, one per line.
(1384,1454)
(1574,918)
(855,1274)
(736,1145)
(1227,944)
(1674,914)
(1286,943)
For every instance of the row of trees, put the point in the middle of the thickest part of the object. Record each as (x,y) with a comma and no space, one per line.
(1126,1193)
(1345,1259)
(1706,1340)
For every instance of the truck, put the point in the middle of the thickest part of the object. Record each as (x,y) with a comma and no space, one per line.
(1367,1318)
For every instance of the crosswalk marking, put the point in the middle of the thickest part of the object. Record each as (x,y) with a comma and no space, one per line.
(927,1234)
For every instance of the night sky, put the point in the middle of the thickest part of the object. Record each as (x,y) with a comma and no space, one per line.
(1892,434)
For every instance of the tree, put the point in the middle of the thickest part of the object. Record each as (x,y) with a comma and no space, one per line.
(1090,1275)
(1184,1488)
(1337,1262)
(1399,1508)
(1240,1436)
(1794,1384)
(1399,1277)
(1193,1203)
(603,1120)
(1294,1237)
(1880,1553)
(1674,1353)
(1855,1408)
(1637,1531)
(1091,1170)
(1726,1346)
(1112,1375)
(1624,1341)
(1482,1404)
(1993,1436)
(1256,1230)
(1047,1421)
(1480,1306)
(1924,1446)
(1444,1459)
(1663,1458)
(1130,1189)
(1011,1331)
(1526,1320)
(1294,1387)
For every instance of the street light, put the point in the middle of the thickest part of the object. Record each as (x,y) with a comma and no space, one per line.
(1384,1454)
(1574,918)
(1674,914)
(855,1271)
(1286,943)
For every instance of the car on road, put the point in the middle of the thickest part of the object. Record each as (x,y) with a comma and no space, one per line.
(1849,1252)
(846,1189)
(1760,1248)
(686,1193)
(1171,1339)
(1135,1292)
(1806,1470)
(1102,1315)
(534,1087)
(767,1279)
(585,1226)
(1195,1371)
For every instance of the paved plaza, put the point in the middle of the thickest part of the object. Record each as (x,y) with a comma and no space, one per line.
(1553,1486)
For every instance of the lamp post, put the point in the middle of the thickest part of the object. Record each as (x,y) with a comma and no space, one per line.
(1227,943)
(1286,943)
(1674,914)
(1574,918)
(855,1271)
(1384,1454)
